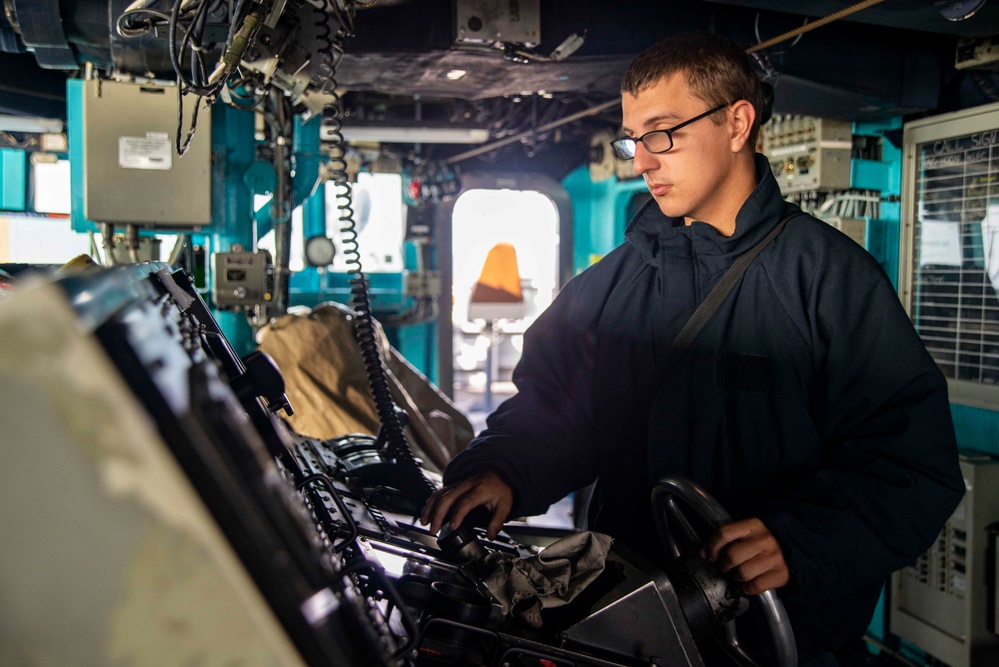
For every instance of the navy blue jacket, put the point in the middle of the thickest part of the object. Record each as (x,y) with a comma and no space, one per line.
(809,401)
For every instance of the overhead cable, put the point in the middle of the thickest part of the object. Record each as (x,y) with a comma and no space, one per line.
(835,16)
(592,111)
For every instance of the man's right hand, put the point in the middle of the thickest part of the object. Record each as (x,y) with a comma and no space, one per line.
(485,489)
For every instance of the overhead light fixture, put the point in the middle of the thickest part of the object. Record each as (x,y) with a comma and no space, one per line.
(410,135)
(30,124)
(958,11)
(455,74)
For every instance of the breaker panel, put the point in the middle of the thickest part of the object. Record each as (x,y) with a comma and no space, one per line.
(807,153)
(942,602)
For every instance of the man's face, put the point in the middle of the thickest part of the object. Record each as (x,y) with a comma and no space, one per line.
(688,180)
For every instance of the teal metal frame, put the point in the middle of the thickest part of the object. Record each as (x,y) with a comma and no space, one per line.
(310,286)
(74,134)
(418,342)
(14,176)
(599,214)
(233,152)
(885,176)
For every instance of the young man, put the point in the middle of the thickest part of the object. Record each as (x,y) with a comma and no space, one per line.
(808,406)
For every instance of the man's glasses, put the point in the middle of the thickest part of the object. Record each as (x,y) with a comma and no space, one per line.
(656,141)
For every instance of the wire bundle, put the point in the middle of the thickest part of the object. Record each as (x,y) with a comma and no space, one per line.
(188,47)
(187,20)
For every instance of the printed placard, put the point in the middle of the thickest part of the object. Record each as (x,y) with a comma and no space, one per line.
(152,151)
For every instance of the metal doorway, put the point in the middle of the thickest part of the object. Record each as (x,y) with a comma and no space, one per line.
(528,183)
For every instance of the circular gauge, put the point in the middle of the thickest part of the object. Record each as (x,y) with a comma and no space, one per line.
(319,251)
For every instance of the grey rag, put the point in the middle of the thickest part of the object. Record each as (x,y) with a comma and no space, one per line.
(551,579)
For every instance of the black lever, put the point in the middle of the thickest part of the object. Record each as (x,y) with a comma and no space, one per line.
(262,378)
(462,544)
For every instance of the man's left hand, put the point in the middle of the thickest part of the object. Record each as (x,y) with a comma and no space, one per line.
(750,554)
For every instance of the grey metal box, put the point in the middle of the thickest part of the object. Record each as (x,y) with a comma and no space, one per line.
(242,278)
(940,604)
(808,154)
(855,228)
(132,173)
(488,21)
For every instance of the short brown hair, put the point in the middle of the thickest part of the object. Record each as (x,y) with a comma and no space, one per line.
(718,71)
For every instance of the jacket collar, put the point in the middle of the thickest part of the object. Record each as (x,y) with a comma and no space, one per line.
(650,229)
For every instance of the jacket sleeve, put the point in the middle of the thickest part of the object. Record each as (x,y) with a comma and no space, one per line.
(540,440)
(891,477)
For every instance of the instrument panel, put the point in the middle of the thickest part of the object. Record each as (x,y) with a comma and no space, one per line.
(314,544)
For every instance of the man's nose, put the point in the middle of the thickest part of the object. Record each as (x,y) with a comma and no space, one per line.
(644,160)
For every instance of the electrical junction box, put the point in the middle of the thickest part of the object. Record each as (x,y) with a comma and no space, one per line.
(978,53)
(421,284)
(855,228)
(943,602)
(132,173)
(485,22)
(809,154)
(243,278)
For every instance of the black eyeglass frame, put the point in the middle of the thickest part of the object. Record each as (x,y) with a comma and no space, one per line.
(618,145)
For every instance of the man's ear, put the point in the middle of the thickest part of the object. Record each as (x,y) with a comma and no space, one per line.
(743,116)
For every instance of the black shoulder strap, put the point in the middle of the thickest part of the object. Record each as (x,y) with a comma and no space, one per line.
(706,311)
